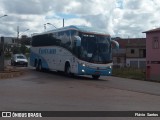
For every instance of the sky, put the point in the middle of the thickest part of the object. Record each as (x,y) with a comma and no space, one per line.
(120,18)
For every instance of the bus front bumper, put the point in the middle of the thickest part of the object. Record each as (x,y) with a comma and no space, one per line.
(86,70)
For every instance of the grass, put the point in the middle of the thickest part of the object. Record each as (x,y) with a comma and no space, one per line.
(131,73)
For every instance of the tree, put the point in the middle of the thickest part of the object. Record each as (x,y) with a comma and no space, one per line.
(15,50)
(23,49)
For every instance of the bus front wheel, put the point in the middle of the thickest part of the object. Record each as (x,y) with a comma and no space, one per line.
(95,77)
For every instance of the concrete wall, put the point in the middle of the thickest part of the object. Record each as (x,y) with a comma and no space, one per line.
(132,55)
(119,61)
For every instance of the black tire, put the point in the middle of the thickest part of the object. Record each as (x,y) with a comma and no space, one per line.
(26,65)
(14,63)
(96,77)
(40,66)
(68,70)
(37,66)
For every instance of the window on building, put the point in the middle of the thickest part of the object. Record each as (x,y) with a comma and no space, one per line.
(155,42)
(132,51)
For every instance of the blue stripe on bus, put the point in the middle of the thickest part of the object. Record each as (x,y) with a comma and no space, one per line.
(34,56)
(84,70)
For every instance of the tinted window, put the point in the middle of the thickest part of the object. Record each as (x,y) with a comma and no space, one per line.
(64,39)
(45,40)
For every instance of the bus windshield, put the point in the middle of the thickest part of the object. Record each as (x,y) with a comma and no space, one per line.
(95,48)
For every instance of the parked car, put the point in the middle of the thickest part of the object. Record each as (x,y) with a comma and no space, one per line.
(19,59)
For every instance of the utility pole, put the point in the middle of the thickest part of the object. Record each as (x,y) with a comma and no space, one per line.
(18,34)
(63,22)
(2,54)
(18,41)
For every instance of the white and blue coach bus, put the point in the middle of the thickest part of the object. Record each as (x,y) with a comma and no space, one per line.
(78,50)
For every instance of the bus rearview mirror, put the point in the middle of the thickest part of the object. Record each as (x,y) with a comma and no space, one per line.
(115,43)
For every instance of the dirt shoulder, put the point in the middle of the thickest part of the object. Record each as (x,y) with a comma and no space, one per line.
(11,72)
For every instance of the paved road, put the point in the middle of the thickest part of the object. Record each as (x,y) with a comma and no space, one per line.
(54,92)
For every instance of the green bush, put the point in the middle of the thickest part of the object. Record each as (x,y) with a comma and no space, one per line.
(129,73)
(23,49)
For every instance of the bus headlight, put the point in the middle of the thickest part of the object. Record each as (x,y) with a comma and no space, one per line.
(83,65)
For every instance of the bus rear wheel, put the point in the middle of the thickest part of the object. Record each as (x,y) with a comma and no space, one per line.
(39,66)
(68,70)
(95,77)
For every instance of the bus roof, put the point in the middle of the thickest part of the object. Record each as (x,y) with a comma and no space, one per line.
(84,29)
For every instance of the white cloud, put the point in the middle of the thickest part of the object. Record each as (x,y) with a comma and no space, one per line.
(119,17)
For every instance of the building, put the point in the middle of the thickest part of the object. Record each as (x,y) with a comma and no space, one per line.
(132,53)
(153,54)
(136,54)
(9,42)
